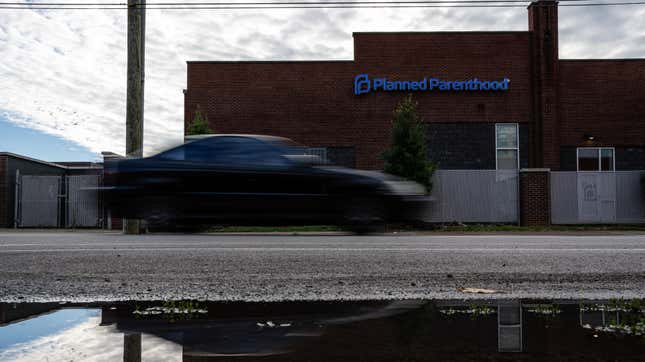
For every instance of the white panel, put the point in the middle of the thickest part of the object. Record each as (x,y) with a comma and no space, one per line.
(588,197)
(618,197)
(607,197)
(564,197)
(39,201)
(83,201)
(487,196)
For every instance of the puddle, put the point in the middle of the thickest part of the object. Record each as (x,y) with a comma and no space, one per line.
(407,330)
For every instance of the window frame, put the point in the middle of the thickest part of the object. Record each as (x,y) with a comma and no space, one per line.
(516,148)
(599,152)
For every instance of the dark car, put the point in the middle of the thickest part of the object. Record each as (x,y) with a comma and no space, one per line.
(255,180)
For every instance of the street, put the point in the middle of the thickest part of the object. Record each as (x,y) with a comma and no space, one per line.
(95,265)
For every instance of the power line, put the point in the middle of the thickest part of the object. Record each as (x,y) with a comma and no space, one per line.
(210,3)
(307,5)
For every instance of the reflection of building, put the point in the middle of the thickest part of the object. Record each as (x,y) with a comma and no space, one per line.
(481,330)
(15,312)
(255,334)
(369,331)
(509,326)
(599,316)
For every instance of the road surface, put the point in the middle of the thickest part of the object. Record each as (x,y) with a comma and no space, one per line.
(88,266)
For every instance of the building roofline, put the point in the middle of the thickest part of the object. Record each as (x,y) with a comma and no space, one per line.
(473,32)
(27,158)
(266,61)
(52,164)
(604,60)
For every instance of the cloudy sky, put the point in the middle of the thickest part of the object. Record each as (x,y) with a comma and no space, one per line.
(75,335)
(63,72)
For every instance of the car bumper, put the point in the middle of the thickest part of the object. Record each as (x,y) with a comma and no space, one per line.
(409,208)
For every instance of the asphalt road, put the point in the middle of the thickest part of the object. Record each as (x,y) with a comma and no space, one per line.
(82,266)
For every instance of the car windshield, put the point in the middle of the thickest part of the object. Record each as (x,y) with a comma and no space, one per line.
(242,150)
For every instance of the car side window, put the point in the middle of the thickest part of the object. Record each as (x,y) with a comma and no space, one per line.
(198,151)
(188,152)
(229,151)
(246,152)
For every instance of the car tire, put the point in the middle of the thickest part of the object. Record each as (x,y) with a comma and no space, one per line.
(160,218)
(365,215)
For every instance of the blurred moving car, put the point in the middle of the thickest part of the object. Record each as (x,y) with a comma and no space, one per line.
(255,180)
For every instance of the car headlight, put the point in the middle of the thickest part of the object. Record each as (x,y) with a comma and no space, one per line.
(405,187)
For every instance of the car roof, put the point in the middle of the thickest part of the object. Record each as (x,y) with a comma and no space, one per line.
(255,136)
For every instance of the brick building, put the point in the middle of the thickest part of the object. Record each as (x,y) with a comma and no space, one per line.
(557,114)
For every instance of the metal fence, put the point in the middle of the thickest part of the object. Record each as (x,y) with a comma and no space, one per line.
(41,202)
(38,202)
(487,196)
(83,201)
(597,197)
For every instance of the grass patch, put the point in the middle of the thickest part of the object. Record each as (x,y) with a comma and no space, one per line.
(429,228)
(276,229)
(511,228)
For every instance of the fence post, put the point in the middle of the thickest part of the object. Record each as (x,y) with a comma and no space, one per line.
(535,197)
(16,206)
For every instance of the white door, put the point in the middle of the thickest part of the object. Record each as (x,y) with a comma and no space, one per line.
(607,197)
(596,197)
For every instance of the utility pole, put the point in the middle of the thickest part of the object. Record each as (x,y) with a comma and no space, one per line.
(134,106)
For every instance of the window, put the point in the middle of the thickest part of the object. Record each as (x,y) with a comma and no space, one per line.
(320,152)
(596,159)
(507,152)
(193,151)
(230,151)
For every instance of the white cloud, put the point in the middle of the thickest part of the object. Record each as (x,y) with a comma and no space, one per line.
(63,72)
(90,342)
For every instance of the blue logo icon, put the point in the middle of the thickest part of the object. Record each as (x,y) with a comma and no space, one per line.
(361,84)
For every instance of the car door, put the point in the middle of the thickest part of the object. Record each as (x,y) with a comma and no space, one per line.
(224,178)
(180,179)
(256,176)
(280,190)
(267,186)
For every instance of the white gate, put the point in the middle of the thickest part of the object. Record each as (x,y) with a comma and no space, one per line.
(38,201)
(489,196)
(83,202)
(597,197)
(41,202)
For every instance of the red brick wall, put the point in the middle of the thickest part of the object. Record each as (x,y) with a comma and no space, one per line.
(313,102)
(116,223)
(602,98)
(535,196)
(543,26)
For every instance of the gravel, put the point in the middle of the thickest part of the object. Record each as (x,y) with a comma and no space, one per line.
(105,266)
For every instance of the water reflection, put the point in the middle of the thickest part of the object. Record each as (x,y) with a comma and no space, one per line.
(325,331)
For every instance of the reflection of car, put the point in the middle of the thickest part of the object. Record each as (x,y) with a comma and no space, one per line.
(255,180)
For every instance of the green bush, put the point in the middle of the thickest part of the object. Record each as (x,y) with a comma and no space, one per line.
(407,154)
(199,124)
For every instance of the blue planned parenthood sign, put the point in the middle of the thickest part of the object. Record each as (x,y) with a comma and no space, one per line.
(363,84)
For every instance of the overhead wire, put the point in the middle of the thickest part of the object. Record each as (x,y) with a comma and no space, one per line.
(305,4)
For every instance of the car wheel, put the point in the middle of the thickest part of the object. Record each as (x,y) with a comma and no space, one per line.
(160,218)
(365,215)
